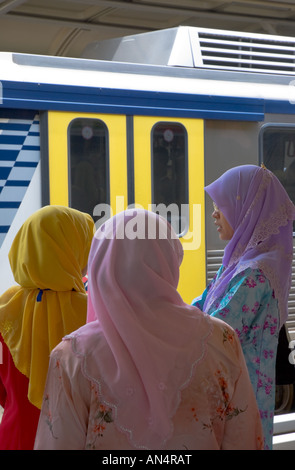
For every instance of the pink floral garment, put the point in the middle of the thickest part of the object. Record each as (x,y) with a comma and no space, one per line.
(218,409)
(249,306)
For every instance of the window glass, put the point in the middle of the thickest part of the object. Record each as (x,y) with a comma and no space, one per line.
(278,155)
(88,153)
(169,174)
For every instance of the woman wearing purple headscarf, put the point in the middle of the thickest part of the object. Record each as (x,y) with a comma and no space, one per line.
(250,291)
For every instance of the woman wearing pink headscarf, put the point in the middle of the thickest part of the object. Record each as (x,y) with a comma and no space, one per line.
(147,371)
(250,290)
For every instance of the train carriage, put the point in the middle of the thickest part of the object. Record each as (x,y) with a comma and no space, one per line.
(148,120)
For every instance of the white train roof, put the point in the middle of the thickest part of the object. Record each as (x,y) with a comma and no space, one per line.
(186,46)
(181,60)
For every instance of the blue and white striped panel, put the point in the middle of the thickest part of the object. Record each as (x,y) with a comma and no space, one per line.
(19,157)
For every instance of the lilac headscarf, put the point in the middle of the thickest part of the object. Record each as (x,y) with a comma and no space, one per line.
(261,214)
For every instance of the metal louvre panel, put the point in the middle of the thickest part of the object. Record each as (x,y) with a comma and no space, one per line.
(247,52)
(214,261)
(201,48)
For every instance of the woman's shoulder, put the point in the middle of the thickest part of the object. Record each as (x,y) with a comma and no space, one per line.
(224,346)
(256,273)
(256,280)
(250,278)
(63,352)
(223,334)
(64,358)
(251,283)
(219,327)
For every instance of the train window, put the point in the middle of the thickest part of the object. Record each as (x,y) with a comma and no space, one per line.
(88,155)
(169,174)
(278,154)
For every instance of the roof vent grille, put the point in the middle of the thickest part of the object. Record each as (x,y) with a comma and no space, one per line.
(247,52)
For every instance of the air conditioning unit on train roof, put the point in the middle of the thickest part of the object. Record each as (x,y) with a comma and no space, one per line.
(186,46)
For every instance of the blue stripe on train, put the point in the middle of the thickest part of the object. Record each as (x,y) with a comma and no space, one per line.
(19,162)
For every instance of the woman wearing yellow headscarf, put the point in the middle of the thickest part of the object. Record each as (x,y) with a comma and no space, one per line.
(47,258)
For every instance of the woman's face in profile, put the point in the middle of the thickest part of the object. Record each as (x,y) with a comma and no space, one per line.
(224,229)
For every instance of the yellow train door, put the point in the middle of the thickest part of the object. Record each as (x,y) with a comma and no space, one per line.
(169,175)
(89,167)
(87,161)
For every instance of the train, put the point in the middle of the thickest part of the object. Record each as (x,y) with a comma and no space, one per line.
(146,120)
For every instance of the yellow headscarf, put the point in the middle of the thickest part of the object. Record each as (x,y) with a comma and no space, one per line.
(47,257)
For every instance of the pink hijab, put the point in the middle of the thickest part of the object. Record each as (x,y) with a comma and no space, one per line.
(142,342)
(259,210)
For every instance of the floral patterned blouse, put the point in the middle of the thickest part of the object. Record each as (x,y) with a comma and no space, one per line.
(249,306)
(218,409)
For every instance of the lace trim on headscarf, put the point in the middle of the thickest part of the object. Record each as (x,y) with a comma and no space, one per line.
(264,230)
(271,226)
(266,180)
(266,227)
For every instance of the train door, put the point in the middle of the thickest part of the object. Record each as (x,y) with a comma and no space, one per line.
(156,163)
(87,162)
(169,179)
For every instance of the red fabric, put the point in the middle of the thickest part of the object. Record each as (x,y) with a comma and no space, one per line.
(20,418)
